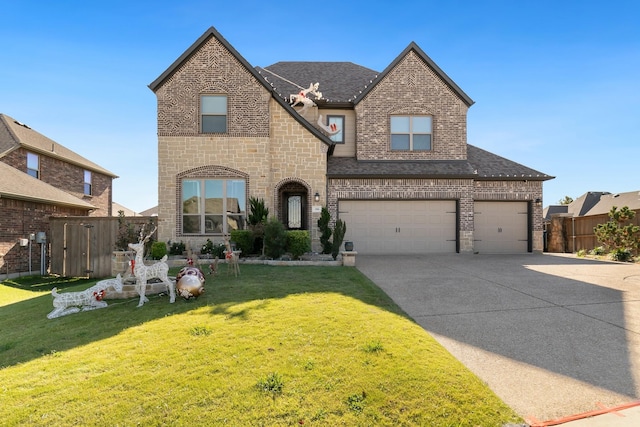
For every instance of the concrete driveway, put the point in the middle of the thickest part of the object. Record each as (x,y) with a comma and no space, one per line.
(552,335)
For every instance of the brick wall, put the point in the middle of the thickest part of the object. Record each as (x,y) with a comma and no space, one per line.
(69,178)
(19,219)
(411,88)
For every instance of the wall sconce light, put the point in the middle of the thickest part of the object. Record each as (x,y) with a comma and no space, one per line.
(538,202)
(316,197)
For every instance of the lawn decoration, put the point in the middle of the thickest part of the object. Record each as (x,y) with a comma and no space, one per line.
(301,97)
(89,299)
(190,281)
(331,129)
(231,257)
(143,272)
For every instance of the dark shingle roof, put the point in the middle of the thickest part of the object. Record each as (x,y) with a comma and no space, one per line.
(490,166)
(14,134)
(338,167)
(339,81)
(480,165)
(619,200)
(18,185)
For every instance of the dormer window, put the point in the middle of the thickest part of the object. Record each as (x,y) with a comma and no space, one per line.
(213,110)
(410,133)
(33,165)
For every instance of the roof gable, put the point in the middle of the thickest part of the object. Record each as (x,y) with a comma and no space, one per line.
(14,134)
(212,32)
(413,47)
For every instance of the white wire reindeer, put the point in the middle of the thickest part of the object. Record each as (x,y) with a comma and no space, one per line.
(143,272)
(89,299)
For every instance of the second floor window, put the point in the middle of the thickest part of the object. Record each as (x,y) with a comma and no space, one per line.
(213,110)
(410,133)
(87,183)
(33,165)
(338,138)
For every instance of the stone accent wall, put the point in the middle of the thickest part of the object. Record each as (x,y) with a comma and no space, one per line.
(213,70)
(291,153)
(69,178)
(411,88)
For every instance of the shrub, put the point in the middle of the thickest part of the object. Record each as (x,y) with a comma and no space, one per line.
(216,250)
(325,230)
(619,232)
(598,251)
(622,255)
(581,253)
(177,248)
(158,250)
(243,240)
(338,235)
(298,242)
(275,239)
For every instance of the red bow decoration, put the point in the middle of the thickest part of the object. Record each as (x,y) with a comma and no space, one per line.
(99,295)
(133,265)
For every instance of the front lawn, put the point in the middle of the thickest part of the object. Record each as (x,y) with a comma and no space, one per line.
(276,346)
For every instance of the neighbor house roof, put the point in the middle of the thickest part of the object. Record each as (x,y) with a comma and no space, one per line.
(619,200)
(480,165)
(21,186)
(583,204)
(14,134)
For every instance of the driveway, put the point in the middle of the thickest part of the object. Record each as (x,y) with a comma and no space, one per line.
(552,335)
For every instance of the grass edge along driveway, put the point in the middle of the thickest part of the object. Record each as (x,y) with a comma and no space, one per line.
(276,346)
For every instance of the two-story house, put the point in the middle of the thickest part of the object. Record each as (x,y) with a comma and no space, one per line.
(40,178)
(385,151)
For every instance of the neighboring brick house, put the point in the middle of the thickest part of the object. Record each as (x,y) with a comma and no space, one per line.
(39,179)
(399,171)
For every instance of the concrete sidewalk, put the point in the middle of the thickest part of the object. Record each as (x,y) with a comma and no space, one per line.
(553,336)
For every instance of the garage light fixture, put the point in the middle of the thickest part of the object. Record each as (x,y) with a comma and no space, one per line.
(316,197)
(538,201)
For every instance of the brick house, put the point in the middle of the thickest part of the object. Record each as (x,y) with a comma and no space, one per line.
(41,179)
(385,151)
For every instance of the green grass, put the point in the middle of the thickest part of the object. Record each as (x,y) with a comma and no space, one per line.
(277,346)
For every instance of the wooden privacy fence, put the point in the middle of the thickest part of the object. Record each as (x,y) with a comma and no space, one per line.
(569,234)
(84,246)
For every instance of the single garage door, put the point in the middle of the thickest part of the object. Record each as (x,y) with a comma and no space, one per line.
(500,227)
(400,226)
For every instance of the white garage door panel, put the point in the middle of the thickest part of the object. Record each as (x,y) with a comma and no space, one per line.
(500,227)
(401,227)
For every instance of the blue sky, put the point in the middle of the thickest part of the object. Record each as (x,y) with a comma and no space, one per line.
(556,84)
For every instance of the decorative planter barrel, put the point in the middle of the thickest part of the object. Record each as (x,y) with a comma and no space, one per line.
(348,246)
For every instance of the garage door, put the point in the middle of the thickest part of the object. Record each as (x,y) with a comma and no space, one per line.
(500,227)
(400,227)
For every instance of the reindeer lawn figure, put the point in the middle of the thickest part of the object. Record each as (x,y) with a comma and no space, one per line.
(89,299)
(232,258)
(143,272)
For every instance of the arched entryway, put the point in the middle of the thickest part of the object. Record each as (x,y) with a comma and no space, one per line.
(293,204)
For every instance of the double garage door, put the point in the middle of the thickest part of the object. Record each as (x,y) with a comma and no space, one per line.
(429,226)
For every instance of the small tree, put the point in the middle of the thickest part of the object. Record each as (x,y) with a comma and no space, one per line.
(618,234)
(275,238)
(325,231)
(257,219)
(566,201)
(338,235)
